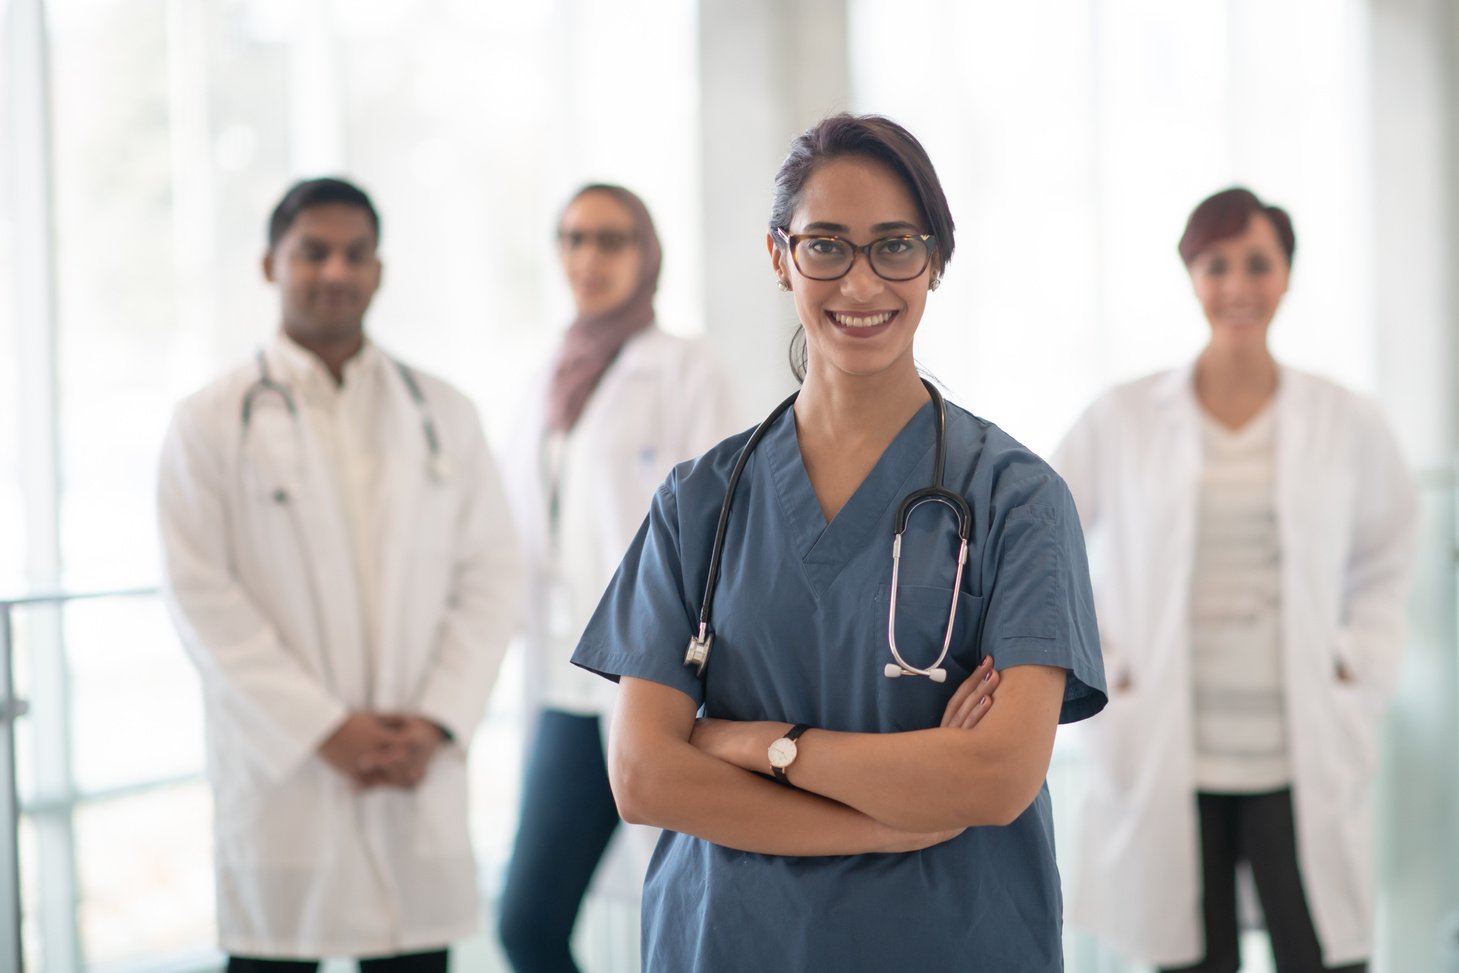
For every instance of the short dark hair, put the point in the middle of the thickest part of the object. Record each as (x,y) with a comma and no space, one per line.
(873,137)
(1226,214)
(876,137)
(317,192)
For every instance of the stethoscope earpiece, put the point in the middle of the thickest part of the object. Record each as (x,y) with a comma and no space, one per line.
(894,671)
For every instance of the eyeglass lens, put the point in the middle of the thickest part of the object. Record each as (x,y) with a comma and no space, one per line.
(892,258)
(607,241)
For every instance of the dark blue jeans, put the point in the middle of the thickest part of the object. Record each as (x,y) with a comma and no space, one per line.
(568,815)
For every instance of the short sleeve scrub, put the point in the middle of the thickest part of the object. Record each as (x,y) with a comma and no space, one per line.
(800,621)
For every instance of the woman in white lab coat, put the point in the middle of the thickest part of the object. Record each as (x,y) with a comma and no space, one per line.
(1252,528)
(622,403)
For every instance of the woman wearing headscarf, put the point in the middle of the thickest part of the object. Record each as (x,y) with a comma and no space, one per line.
(621,403)
(1257,527)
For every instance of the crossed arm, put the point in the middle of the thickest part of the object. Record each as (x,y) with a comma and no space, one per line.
(854,792)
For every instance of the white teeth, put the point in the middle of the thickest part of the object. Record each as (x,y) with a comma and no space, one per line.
(871,321)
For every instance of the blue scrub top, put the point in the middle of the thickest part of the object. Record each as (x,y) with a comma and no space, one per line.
(800,622)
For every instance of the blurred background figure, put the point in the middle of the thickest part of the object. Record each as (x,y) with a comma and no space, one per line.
(339,561)
(1253,527)
(621,404)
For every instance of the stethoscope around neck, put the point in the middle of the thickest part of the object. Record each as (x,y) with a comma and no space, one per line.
(437,465)
(702,640)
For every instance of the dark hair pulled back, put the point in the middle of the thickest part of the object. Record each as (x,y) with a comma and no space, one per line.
(870,136)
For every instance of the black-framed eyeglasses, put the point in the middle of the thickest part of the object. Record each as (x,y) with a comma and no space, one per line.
(607,241)
(896,258)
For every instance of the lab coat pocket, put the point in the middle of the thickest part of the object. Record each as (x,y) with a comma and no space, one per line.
(1354,740)
(914,702)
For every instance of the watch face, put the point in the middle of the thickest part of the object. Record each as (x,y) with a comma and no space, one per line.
(782,753)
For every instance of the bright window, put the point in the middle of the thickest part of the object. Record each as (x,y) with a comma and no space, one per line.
(1073,147)
(175,128)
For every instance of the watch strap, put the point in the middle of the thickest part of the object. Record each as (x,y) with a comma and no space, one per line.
(791,735)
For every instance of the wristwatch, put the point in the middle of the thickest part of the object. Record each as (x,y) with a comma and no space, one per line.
(783,752)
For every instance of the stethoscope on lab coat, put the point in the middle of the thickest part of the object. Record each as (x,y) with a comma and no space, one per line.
(438,465)
(702,640)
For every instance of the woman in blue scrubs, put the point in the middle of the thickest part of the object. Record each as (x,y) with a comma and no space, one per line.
(906,826)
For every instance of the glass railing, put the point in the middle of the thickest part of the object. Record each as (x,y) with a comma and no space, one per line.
(107,859)
(106,816)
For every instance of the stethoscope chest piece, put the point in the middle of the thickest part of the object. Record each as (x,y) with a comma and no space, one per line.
(697,654)
(894,671)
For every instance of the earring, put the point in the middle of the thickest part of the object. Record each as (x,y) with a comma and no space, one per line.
(936,283)
(782,283)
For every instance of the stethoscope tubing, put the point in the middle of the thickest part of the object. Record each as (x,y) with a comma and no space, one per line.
(438,465)
(702,639)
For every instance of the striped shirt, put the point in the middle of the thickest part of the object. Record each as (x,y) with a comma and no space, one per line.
(1240,716)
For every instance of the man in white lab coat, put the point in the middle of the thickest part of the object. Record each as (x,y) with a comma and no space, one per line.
(338,559)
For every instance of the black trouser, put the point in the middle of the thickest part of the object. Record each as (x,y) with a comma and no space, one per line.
(432,962)
(1257,829)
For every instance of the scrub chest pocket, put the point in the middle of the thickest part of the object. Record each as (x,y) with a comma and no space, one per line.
(922,610)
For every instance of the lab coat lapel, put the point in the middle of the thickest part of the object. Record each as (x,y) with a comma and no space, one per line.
(319,520)
(1290,432)
(402,484)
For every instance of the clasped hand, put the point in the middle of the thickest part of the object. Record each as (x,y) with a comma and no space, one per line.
(382,749)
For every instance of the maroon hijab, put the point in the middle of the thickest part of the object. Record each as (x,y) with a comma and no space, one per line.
(594,340)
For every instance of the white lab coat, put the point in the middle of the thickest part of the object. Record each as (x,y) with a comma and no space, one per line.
(1346,510)
(661,401)
(264,590)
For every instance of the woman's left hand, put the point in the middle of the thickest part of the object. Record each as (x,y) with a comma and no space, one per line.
(973,698)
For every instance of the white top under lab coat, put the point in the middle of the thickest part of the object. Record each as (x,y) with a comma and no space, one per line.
(1346,514)
(662,400)
(282,570)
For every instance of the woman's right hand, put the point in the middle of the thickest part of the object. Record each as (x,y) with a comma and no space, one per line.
(973,698)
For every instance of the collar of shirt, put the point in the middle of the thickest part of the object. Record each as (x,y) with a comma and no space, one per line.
(305,372)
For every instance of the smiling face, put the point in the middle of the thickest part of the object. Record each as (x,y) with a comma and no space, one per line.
(601,255)
(859,324)
(327,271)
(1240,281)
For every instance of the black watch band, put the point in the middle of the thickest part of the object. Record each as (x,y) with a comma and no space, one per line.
(791,735)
